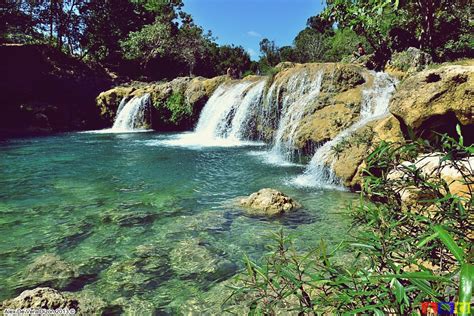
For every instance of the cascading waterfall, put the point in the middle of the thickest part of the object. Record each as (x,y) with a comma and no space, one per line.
(301,90)
(375,102)
(225,117)
(242,116)
(131,115)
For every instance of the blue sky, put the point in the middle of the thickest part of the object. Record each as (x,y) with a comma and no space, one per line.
(246,22)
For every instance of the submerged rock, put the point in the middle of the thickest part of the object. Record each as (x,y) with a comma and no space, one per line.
(48,270)
(147,267)
(269,202)
(191,258)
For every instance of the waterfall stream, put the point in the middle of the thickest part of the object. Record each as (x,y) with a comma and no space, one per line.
(225,117)
(301,90)
(131,115)
(375,104)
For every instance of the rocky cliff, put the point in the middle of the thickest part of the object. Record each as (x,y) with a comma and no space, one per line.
(175,105)
(331,100)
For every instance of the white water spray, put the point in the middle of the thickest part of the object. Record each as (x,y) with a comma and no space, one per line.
(131,115)
(225,117)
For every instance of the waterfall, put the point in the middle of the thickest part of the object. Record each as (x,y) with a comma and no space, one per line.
(131,115)
(300,91)
(225,117)
(375,102)
(242,116)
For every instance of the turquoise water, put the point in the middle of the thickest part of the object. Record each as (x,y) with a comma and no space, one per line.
(141,224)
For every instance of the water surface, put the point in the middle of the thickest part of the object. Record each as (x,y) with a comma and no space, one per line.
(140,221)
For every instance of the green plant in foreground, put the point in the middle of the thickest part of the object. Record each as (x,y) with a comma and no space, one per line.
(397,255)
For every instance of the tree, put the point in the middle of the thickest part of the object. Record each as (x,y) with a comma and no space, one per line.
(436,24)
(270,52)
(106,23)
(17,25)
(320,24)
(310,45)
(288,53)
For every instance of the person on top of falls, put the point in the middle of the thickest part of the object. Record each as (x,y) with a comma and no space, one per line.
(360,50)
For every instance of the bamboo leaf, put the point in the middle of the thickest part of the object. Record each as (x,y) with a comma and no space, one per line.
(426,240)
(465,287)
(398,290)
(449,242)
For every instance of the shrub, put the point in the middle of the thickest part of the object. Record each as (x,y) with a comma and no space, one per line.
(399,255)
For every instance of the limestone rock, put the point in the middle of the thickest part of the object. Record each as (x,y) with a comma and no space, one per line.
(269,202)
(190,94)
(48,270)
(459,177)
(146,265)
(351,152)
(84,303)
(42,297)
(410,60)
(436,99)
(335,108)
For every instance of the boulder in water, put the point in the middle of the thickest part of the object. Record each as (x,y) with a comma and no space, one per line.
(269,202)
(83,303)
(42,297)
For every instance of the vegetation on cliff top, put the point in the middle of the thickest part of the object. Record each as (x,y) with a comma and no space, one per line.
(153,39)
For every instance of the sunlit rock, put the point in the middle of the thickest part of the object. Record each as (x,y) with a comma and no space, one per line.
(269,202)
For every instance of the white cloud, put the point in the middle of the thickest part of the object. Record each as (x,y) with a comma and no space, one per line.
(254,34)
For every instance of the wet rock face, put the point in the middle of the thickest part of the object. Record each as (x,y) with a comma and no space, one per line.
(42,297)
(351,151)
(269,202)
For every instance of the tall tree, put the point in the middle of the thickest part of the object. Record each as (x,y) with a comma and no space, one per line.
(270,52)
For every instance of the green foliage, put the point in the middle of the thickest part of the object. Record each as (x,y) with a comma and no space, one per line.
(311,45)
(343,44)
(174,111)
(442,28)
(178,107)
(396,256)
(151,41)
(270,53)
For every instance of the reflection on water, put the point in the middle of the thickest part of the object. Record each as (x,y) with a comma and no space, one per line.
(140,223)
